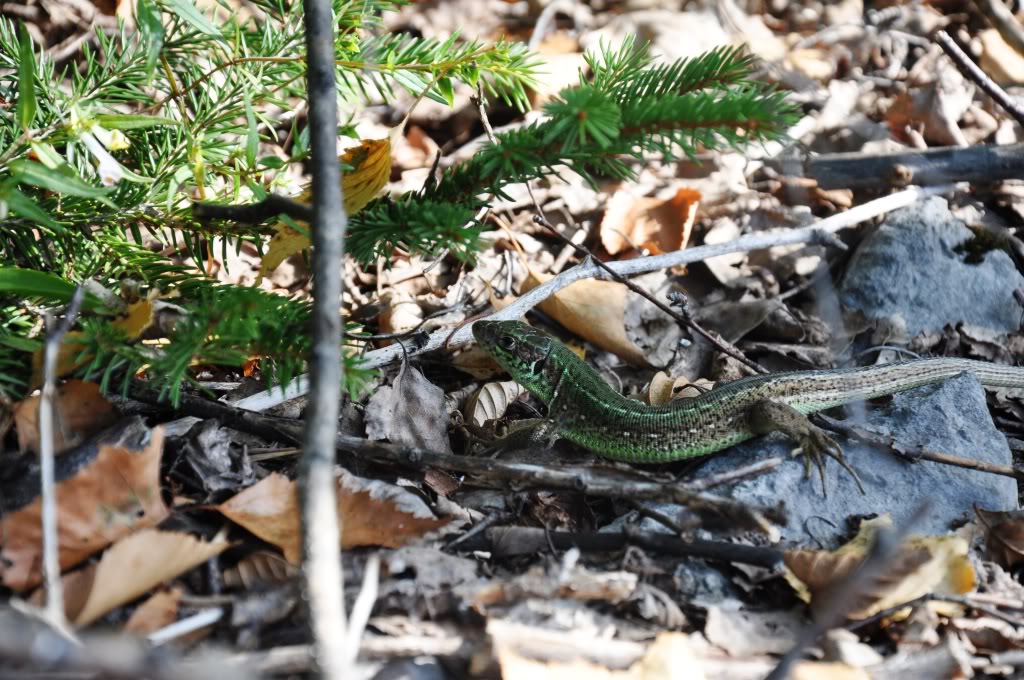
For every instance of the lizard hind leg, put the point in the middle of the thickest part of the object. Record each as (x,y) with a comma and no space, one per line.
(812,442)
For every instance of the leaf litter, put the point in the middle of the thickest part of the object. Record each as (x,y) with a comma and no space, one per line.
(132,521)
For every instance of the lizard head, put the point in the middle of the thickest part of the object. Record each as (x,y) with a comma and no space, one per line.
(521,350)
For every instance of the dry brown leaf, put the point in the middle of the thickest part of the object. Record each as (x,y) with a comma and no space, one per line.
(936,105)
(492,400)
(828,670)
(371,513)
(1004,536)
(117,493)
(924,564)
(133,566)
(477,363)
(401,312)
(595,311)
(814,63)
(258,570)
(158,610)
(652,224)
(80,411)
(410,412)
(999,61)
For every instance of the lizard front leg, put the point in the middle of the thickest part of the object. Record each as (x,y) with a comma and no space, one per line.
(529,434)
(812,442)
(536,432)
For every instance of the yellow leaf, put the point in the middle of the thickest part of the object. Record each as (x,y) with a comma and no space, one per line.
(371,168)
(924,564)
(371,163)
(137,320)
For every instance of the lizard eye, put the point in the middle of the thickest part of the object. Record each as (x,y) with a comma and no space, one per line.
(507,343)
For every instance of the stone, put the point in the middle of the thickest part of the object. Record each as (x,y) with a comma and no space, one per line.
(908,268)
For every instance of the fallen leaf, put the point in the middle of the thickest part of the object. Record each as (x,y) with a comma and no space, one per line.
(595,311)
(132,567)
(999,60)
(659,392)
(410,412)
(924,564)
(157,611)
(652,224)
(371,167)
(259,570)
(401,312)
(475,362)
(937,105)
(1004,536)
(664,388)
(116,493)
(492,400)
(816,64)
(80,411)
(370,513)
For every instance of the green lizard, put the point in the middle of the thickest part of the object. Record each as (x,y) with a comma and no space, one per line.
(585,410)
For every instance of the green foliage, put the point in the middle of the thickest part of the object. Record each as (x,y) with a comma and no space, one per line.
(221,325)
(628,108)
(100,155)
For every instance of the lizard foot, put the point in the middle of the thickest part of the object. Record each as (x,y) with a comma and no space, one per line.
(812,442)
(814,445)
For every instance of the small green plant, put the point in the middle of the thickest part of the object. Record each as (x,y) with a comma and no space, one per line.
(95,157)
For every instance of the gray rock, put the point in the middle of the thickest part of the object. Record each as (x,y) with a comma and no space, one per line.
(907,268)
(951,417)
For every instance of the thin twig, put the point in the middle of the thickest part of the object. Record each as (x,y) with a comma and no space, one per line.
(480,102)
(595,481)
(916,453)
(512,541)
(588,270)
(322,572)
(732,476)
(254,213)
(47,456)
(362,607)
(971,70)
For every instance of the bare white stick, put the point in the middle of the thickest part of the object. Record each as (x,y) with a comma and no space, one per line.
(362,608)
(588,270)
(47,455)
(185,626)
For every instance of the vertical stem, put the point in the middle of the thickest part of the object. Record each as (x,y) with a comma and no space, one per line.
(324,587)
(47,454)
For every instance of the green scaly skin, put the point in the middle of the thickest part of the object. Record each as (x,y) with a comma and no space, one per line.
(585,410)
